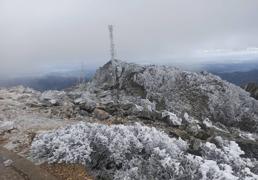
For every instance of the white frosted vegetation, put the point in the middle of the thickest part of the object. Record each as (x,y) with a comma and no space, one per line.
(139,152)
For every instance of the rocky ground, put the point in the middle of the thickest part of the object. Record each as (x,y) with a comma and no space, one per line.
(137,122)
(14,167)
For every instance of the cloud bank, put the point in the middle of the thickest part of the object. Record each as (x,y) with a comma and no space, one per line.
(38,35)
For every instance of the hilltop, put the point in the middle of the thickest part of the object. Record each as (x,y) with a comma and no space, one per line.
(138,122)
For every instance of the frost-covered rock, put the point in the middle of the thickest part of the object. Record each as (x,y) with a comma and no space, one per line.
(201,95)
(86,102)
(140,152)
(136,109)
(207,123)
(248,136)
(53,101)
(171,118)
(48,95)
(147,105)
(79,101)
(189,120)
(53,97)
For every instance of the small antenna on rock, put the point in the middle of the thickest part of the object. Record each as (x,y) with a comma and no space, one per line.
(82,74)
(112,44)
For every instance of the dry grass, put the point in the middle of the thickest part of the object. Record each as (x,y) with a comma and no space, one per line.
(67,171)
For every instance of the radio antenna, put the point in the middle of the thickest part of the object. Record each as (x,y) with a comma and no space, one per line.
(112,44)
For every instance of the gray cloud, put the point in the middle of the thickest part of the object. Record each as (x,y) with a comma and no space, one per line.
(38,34)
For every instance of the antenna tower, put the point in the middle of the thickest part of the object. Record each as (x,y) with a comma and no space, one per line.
(112,44)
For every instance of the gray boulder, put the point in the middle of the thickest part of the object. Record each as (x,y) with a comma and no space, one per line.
(52,98)
(171,118)
(86,102)
(101,114)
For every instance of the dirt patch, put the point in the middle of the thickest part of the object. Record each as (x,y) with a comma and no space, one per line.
(2,140)
(67,171)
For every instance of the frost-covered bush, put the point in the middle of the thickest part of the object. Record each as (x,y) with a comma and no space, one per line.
(115,148)
(131,152)
(228,158)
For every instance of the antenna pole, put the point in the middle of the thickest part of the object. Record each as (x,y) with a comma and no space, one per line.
(81,78)
(112,44)
(83,72)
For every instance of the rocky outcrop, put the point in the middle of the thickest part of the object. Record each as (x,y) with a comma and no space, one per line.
(252,88)
(201,95)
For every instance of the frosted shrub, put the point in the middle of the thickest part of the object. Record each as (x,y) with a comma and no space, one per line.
(227,157)
(137,152)
(117,148)
(63,146)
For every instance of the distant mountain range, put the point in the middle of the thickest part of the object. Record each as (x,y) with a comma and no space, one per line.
(237,73)
(230,67)
(51,81)
(42,83)
(240,78)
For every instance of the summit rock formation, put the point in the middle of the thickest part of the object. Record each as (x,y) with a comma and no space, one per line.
(201,95)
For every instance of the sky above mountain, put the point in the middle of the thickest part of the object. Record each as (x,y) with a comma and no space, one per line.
(39,35)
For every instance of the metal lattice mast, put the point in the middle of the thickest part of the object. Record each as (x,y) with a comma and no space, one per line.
(112,44)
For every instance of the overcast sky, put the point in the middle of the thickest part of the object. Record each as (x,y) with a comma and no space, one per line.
(39,35)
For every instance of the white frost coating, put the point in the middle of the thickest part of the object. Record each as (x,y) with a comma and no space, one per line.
(139,152)
(172,118)
(53,101)
(211,170)
(190,119)
(48,95)
(207,123)
(53,97)
(137,108)
(147,105)
(249,136)
(66,146)
(79,101)
(230,147)
(118,139)
(229,154)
